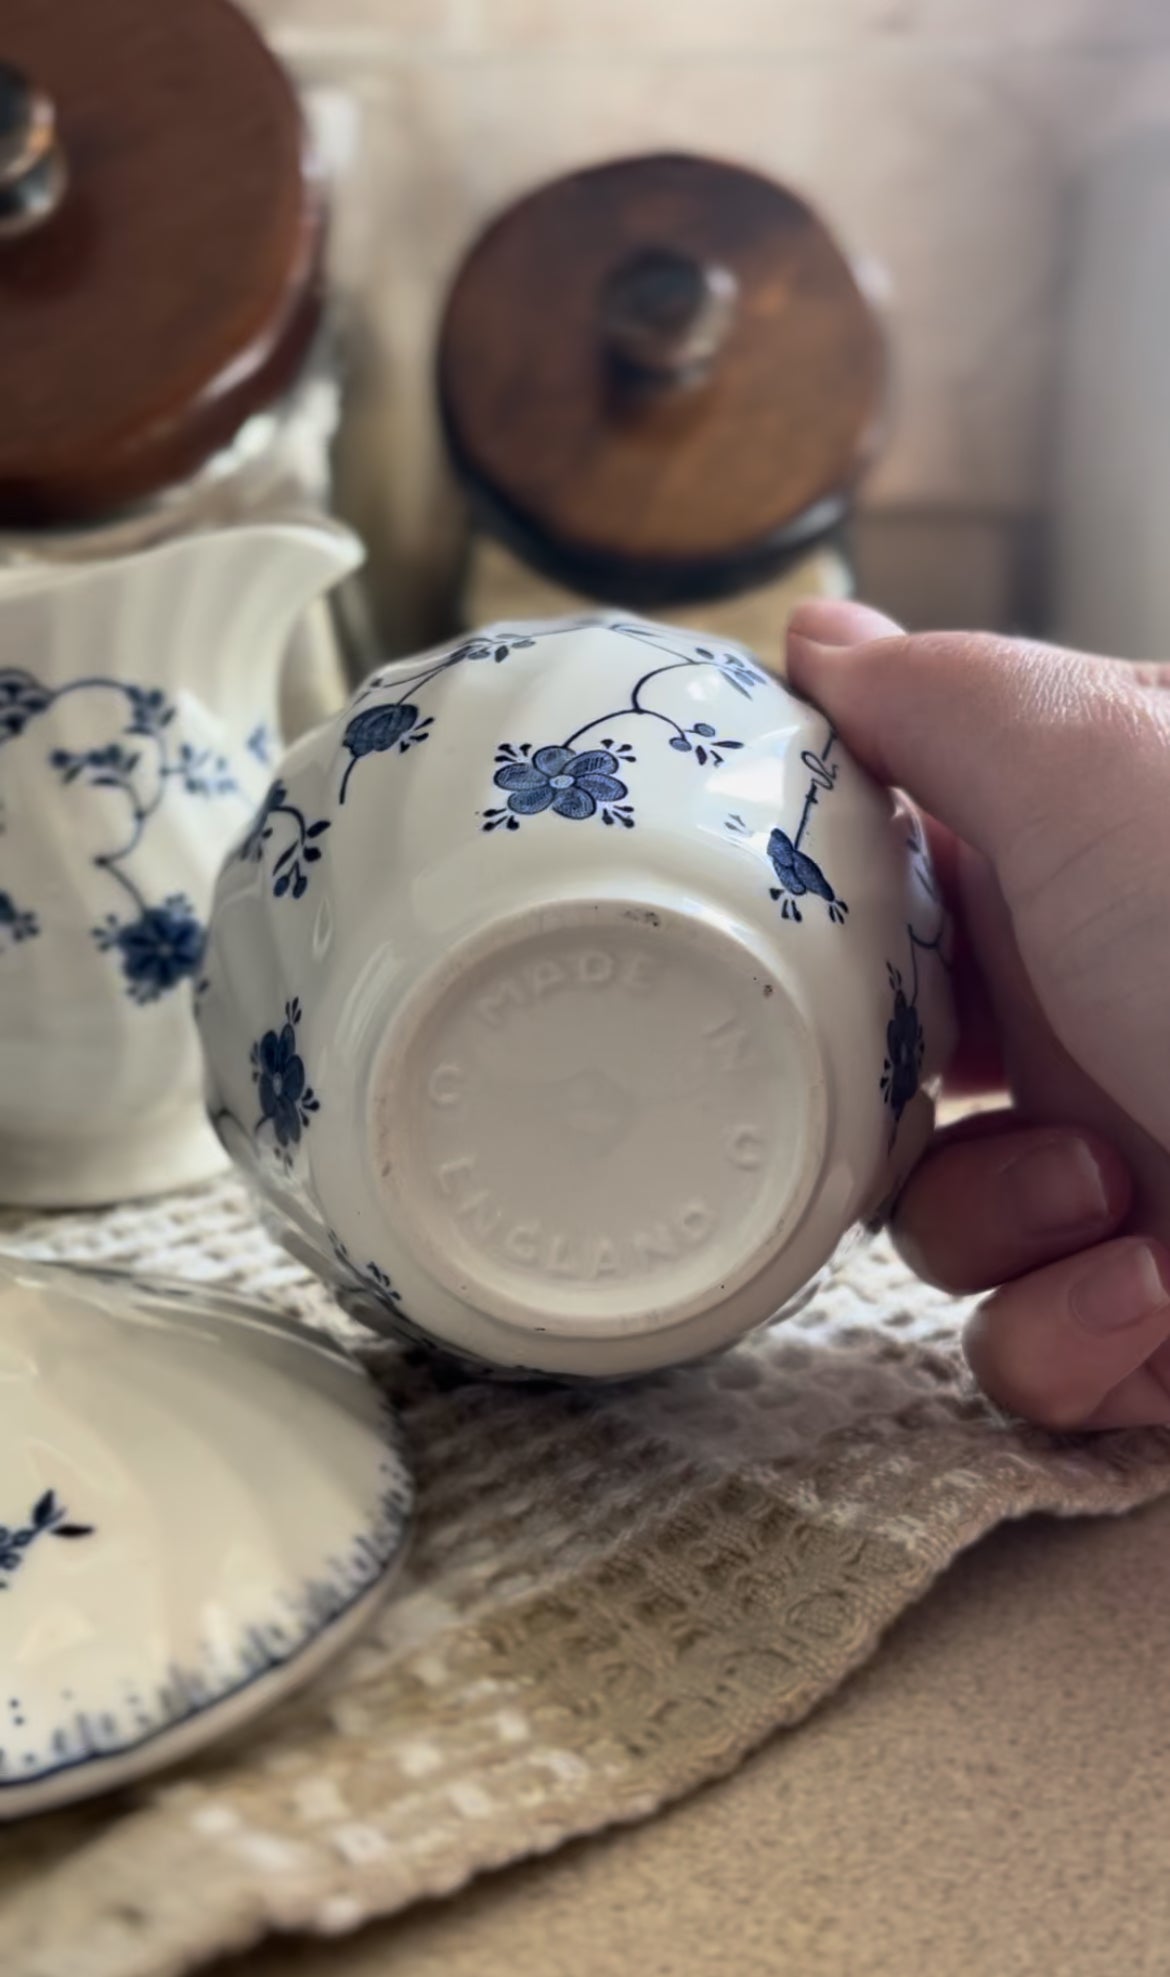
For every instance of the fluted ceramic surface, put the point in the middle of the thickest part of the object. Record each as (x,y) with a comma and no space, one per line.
(199,1502)
(137,716)
(573,993)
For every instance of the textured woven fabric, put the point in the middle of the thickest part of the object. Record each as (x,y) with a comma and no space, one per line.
(612,1597)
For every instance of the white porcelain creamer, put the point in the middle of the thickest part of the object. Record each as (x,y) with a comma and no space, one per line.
(138,717)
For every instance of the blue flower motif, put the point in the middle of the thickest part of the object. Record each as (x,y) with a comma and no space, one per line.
(556,779)
(260,829)
(47,1518)
(482,648)
(159,949)
(21,699)
(736,668)
(703,742)
(904,1050)
(800,875)
(259,743)
(286,1098)
(204,773)
(288,872)
(150,711)
(15,922)
(110,767)
(376,730)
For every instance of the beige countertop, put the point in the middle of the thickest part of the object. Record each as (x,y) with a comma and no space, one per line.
(990,1796)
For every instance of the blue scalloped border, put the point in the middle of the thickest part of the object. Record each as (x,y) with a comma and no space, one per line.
(373,1552)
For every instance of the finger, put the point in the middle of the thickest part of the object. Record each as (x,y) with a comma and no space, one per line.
(1156,676)
(990,734)
(1054,767)
(977,1063)
(1081,1342)
(843,622)
(1089,1093)
(985,1207)
(1141,1400)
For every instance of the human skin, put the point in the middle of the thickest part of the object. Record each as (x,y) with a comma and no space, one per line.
(1045,779)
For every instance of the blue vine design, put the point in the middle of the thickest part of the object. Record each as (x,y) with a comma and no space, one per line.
(370,1276)
(47,1519)
(396,725)
(797,875)
(576,785)
(289,876)
(905,1039)
(158,944)
(260,744)
(389,727)
(16,923)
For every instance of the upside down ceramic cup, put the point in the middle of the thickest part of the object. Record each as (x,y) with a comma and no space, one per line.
(572,994)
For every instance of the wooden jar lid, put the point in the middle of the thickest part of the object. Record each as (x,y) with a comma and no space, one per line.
(160,247)
(660,374)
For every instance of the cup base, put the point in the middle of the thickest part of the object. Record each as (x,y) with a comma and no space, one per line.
(599,1118)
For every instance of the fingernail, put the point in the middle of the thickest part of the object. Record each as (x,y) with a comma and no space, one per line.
(1124,1290)
(1055,1187)
(832,624)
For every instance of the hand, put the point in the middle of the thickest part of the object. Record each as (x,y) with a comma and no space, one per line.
(1045,776)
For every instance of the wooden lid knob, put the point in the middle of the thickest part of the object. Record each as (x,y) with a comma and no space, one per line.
(665,317)
(659,378)
(161,230)
(32,166)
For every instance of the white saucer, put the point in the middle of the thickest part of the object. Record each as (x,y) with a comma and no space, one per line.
(200,1503)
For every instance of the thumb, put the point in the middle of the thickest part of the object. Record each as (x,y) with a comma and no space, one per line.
(1056,768)
(1030,754)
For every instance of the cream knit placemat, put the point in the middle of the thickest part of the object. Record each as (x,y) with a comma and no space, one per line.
(613,1596)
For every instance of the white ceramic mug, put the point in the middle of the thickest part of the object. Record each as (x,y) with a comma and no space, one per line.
(573,993)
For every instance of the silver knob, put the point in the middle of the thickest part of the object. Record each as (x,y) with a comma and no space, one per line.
(32,164)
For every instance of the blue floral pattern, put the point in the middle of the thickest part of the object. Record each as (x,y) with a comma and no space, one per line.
(259,744)
(397,725)
(21,699)
(47,1519)
(289,875)
(905,1044)
(799,876)
(158,950)
(158,944)
(40,1742)
(571,785)
(580,785)
(16,923)
(905,1038)
(370,1276)
(386,727)
(287,1100)
(378,730)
